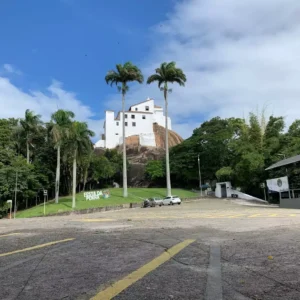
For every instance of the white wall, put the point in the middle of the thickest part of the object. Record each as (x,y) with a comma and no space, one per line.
(100,144)
(159,118)
(218,191)
(112,132)
(147,139)
(143,127)
(142,106)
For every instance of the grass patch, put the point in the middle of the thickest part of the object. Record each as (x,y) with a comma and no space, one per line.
(116,198)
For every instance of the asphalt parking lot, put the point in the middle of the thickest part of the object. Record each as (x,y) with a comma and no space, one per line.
(209,249)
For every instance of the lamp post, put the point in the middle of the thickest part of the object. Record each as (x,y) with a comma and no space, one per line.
(200,185)
(16,190)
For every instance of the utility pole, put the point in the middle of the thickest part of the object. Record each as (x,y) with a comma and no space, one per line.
(200,184)
(16,190)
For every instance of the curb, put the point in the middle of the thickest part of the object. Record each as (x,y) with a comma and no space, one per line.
(92,210)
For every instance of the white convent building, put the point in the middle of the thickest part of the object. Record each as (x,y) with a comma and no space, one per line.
(139,120)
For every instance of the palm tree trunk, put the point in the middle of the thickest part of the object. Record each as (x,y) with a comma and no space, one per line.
(169,193)
(85,178)
(27,150)
(57,179)
(125,192)
(74,181)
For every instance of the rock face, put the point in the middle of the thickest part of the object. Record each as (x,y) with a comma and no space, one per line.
(138,156)
(160,138)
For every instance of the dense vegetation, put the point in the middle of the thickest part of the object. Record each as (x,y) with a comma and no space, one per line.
(34,155)
(234,150)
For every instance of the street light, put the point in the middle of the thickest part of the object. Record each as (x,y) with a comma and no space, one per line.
(16,190)
(200,185)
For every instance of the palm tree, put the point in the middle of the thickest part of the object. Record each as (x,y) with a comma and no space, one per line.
(167,73)
(79,143)
(60,130)
(121,77)
(30,125)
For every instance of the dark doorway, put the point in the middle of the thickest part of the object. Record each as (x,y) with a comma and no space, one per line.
(223,191)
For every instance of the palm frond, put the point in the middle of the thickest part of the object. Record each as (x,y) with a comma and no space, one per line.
(124,74)
(154,77)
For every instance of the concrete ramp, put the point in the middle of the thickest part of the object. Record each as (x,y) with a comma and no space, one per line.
(247,197)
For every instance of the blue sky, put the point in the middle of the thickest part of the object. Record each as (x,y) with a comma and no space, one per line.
(238,56)
(75,41)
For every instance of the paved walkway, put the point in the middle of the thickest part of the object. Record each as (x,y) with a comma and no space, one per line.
(211,249)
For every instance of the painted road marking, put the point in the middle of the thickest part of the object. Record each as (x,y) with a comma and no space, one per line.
(9,234)
(97,220)
(36,247)
(236,216)
(273,215)
(254,216)
(214,275)
(119,286)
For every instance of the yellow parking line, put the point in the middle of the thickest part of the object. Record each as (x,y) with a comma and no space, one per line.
(236,216)
(273,215)
(97,220)
(254,216)
(36,247)
(9,234)
(292,215)
(119,286)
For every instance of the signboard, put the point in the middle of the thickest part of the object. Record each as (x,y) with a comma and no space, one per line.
(45,192)
(96,195)
(278,184)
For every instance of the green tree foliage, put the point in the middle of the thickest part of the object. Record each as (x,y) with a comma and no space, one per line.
(44,140)
(60,127)
(236,150)
(155,169)
(79,145)
(30,125)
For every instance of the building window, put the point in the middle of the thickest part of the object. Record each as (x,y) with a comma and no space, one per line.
(144,117)
(117,123)
(133,124)
(125,116)
(125,123)
(136,109)
(147,108)
(132,116)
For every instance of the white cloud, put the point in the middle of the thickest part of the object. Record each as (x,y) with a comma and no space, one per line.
(14,102)
(11,69)
(237,55)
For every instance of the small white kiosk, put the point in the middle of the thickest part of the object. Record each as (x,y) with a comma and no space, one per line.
(223,189)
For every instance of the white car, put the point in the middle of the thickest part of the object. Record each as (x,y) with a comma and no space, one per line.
(171,200)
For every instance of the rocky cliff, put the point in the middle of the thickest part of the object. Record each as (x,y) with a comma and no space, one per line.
(138,156)
(160,138)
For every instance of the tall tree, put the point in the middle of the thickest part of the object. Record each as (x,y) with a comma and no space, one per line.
(167,73)
(121,77)
(30,125)
(60,130)
(79,143)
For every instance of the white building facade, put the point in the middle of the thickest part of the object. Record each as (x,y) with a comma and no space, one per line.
(139,120)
